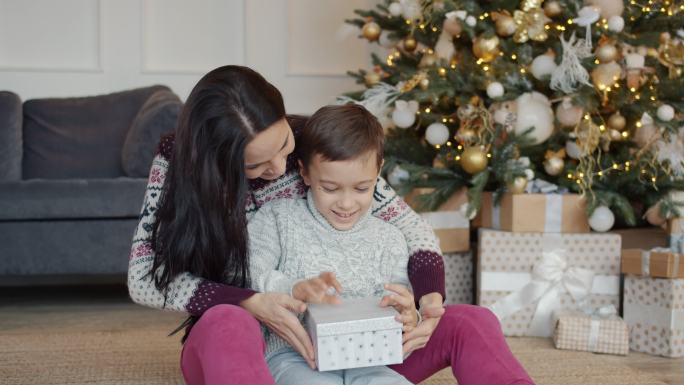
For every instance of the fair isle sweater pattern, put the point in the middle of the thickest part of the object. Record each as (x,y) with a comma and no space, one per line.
(194,295)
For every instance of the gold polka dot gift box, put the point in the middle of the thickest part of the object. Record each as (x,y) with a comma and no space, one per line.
(597,331)
(524,277)
(654,312)
(449,222)
(354,334)
(458,274)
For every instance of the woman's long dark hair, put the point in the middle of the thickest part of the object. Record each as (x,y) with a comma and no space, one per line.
(201,225)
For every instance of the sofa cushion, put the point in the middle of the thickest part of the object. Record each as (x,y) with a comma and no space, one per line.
(71,198)
(158,116)
(10,136)
(79,137)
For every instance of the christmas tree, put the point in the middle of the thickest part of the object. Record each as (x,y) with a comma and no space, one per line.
(505,95)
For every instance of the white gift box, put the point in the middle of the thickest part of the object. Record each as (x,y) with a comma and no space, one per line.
(354,334)
(654,311)
(524,277)
(458,274)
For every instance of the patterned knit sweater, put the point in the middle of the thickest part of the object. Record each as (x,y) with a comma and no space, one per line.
(290,240)
(194,295)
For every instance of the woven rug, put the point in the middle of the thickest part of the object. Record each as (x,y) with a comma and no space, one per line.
(127,345)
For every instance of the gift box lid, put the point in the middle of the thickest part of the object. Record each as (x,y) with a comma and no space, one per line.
(351,316)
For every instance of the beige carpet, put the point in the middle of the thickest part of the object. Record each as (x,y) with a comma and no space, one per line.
(126,345)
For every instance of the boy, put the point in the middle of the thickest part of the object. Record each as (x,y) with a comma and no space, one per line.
(330,240)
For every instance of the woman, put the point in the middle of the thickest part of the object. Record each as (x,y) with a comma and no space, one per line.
(232,152)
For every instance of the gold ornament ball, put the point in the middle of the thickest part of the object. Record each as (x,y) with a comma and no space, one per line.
(371,79)
(473,160)
(424,84)
(605,75)
(428,60)
(617,121)
(452,27)
(410,44)
(371,31)
(653,215)
(554,166)
(485,48)
(438,163)
(442,71)
(606,53)
(505,25)
(552,8)
(518,185)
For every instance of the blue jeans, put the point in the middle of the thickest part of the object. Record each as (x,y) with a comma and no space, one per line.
(288,367)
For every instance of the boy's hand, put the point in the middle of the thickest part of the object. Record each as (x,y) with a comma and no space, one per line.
(316,290)
(403,302)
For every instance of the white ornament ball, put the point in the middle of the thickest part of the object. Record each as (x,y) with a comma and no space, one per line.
(397,176)
(573,150)
(404,114)
(542,65)
(616,23)
(403,119)
(665,113)
(608,8)
(602,219)
(534,110)
(471,21)
(437,134)
(395,9)
(568,114)
(495,90)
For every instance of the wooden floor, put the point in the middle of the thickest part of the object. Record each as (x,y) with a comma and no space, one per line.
(60,302)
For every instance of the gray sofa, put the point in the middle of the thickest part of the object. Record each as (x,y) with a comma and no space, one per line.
(73,173)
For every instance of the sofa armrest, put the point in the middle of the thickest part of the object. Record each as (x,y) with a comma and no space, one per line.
(11,120)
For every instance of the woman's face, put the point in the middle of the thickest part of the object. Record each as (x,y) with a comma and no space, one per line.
(266,154)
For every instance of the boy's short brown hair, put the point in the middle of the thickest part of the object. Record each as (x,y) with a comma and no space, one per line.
(341,132)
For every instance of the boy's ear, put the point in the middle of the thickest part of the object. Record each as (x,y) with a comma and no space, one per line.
(303,173)
(382,163)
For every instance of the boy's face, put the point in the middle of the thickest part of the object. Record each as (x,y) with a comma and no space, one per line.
(342,190)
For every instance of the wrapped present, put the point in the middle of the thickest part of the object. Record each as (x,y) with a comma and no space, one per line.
(675,229)
(599,331)
(458,272)
(643,237)
(524,277)
(543,213)
(654,312)
(449,223)
(658,262)
(354,334)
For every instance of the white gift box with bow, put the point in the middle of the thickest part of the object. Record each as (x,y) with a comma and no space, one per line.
(354,334)
(524,277)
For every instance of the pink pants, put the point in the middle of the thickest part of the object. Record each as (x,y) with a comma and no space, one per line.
(226,347)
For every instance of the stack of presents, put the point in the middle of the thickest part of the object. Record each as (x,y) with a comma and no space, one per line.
(538,266)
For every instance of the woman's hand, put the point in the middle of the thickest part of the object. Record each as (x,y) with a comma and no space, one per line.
(315,290)
(431,310)
(275,310)
(402,300)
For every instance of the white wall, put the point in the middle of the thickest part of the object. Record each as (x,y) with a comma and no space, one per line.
(56,48)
